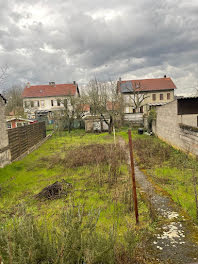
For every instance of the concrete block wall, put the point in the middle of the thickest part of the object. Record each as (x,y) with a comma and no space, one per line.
(5,156)
(134,118)
(167,128)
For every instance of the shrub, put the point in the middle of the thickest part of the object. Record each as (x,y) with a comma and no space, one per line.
(151,153)
(75,241)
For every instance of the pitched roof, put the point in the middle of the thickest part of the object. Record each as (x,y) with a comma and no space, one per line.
(146,85)
(50,90)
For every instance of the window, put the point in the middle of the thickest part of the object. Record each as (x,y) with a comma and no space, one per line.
(9,125)
(58,102)
(154,97)
(42,103)
(134,111)
(141,109)
(32,103)
(26,103)
(19,124)
(168,96)
(52,103)
(161,96)
(130,109)
(38,103)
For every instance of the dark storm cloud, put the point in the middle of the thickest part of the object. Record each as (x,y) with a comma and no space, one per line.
(76,40)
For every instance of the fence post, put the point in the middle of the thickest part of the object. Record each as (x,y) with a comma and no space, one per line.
(133,177)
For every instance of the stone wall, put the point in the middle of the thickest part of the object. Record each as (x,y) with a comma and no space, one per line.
(5,156)
(134,118)
(167,128)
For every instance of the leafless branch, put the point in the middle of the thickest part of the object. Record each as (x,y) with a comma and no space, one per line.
(3,74)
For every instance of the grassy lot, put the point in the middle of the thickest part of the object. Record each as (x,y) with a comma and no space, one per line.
(93,222)
(168,168)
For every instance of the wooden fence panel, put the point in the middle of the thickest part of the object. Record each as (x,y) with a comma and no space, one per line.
(23,138)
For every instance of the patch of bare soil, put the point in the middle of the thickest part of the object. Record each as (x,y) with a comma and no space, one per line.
(173,241)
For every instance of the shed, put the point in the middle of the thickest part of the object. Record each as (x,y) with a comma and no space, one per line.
(95,123)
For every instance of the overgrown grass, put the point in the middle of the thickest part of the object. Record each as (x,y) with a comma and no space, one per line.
(173,170)
(53,231)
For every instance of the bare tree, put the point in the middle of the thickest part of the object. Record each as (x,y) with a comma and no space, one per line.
(105,101)
(136,96)
(73,110)
(3,74)
(15,101)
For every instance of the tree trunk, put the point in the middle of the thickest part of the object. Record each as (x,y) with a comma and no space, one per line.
(110,125)
(69,126)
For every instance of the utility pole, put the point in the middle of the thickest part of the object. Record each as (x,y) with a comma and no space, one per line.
(133,178)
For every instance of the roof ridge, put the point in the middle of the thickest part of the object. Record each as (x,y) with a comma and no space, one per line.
(162,78)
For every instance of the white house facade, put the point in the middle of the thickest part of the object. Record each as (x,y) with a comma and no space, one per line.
(47,99)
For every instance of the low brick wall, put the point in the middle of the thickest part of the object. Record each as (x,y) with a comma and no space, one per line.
(21,139)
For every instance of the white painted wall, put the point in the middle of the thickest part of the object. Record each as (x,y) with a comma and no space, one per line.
(44,104)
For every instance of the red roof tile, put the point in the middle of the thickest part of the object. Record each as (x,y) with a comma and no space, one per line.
(86,107)
(151,84)
(49,90)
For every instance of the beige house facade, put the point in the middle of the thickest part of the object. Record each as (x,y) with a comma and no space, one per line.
(142,95)
(152,99)
(48,98)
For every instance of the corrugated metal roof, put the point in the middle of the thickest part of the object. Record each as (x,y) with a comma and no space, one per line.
(156,104)
(187,97)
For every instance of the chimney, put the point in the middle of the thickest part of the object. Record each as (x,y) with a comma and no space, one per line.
(52,83)
(120,79)
(164,76)
(74,82)
(28,85)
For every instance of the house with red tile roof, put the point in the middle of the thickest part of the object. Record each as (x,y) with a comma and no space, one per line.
(45,99)
(142,95)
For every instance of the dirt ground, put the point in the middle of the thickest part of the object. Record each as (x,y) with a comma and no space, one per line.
(174,240)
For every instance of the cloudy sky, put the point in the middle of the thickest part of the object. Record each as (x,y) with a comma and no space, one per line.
(66,40)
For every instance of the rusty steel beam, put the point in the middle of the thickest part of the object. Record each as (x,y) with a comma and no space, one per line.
(133,178)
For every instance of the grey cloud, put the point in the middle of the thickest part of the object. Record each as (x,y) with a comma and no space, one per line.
(144,38)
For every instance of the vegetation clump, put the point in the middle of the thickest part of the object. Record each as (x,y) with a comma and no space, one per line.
(55,190)
(94,154)
(76,240)
(151,153)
